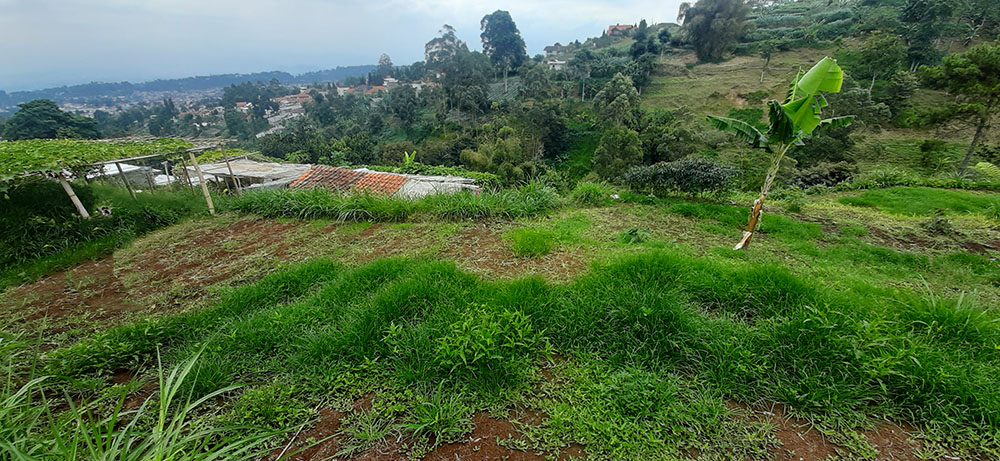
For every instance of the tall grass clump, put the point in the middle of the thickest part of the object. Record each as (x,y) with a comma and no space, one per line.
(529,200)
(165,426)
(531,242)
(592,194)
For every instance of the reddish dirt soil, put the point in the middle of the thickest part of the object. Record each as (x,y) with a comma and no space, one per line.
(91,290)
(480,248)
(483,443)
(96,294)
(801,441)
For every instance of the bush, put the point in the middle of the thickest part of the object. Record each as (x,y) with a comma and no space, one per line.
(592,194)
(825,174)
(691,175)
(489,342)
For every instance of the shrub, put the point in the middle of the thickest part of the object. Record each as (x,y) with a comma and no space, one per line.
(825,174)
(618,149)
(592,194)
(486,341)
(691,175)
(41,220)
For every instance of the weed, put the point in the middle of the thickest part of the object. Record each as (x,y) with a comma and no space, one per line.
(274,405)
(443,416)
(634,235)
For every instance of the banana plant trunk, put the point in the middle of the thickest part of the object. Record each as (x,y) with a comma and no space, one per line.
(756,210)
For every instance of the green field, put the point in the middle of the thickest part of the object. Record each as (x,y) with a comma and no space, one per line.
(621,331)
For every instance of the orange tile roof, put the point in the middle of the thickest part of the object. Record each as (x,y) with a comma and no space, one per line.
(381,183)
(327,176)
(332,177)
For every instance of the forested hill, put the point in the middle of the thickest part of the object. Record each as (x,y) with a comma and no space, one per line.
(103,90)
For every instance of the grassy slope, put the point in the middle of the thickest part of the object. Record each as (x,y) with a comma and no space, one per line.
(714,89)
(652,345)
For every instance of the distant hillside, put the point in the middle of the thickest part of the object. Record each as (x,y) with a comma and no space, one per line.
(97,90)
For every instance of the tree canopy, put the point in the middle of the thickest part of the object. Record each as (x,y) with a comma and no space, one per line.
(43,119)
(618,100)
(502,42)
(440,49)
(714,27)
(974,77)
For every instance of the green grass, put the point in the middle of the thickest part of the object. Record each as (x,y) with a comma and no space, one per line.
(656,343)
(166,425)
(36,245)
(924,201)
(528,200)
(529,242)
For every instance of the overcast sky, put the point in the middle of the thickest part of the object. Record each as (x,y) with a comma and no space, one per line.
(46,43)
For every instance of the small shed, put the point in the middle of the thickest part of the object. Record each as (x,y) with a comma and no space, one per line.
(251,172)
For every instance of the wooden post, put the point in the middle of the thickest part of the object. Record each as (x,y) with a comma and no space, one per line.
(149,179)
(187,177)
(166,172)
(204,186)
(236,180)
(72,196)
(125,180)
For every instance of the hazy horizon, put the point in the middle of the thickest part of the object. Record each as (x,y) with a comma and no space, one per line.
(49,43)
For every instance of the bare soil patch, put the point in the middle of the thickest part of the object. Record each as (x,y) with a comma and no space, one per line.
(801,440)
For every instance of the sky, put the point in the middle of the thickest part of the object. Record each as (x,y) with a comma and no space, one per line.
(45,43)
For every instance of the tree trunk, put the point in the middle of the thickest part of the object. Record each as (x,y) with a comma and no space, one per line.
(505,80)
(764,69)
(972,147)
(871,87)
(758,205)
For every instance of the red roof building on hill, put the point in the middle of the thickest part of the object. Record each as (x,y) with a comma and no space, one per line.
(619,30)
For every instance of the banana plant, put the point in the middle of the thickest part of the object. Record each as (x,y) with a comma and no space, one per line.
(409,159)
(791,123)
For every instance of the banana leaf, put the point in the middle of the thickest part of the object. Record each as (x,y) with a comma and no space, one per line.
(806,103)
(741,129)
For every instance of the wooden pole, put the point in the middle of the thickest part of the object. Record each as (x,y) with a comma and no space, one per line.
(149,179)
(204,186)
(236,180)
(73,197)
(187,177)
(166,172)
(125,180)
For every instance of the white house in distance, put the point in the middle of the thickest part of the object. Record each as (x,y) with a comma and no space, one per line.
(556,64)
